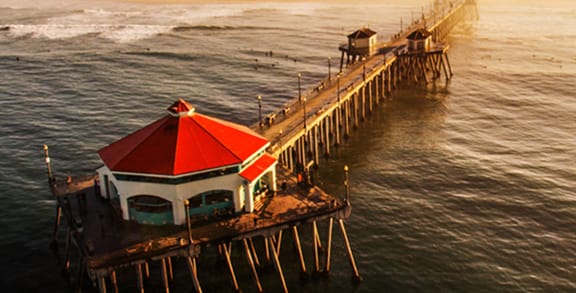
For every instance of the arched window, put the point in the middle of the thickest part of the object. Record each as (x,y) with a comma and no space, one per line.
(150,209)
(212,203)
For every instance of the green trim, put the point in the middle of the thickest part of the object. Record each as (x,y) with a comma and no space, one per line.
(179,180)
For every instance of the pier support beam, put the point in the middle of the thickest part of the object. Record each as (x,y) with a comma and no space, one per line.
(356,274)
(114,281)
(81,268)
(328,248)
(67,251)
(226,250)
(146,270)
(169,267)
(54,243)
(316,247)
(278,267)
(327,136)
(165,276)
(194,273)
(140,278)
(102,284)
(252,266)
(347,119)
(315,145)
(299,250)
(254,254)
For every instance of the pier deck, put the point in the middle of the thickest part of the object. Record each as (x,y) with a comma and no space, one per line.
(107,240)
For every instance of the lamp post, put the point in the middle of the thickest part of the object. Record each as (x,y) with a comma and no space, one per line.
(338,87)
(189,226)
(305,126)
(299,87)
(260,110)
(364,68)
(48,167)
(346,186)
(329,69)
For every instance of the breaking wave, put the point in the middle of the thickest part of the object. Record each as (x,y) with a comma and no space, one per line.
(115,32)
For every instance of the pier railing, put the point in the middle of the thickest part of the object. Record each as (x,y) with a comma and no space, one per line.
(324,113)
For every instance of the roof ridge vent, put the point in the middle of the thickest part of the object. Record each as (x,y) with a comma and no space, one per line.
(181,108)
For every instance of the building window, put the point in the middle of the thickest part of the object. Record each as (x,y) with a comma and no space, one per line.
(149,209)
(212,203)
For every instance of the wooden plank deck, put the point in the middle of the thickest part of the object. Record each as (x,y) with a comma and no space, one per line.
(107,241)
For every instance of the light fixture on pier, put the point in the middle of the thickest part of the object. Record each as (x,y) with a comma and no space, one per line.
(261,123)
(299,87)
(329,68)
(305,125)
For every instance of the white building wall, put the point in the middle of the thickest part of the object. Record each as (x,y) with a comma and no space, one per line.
(176,194)
(230,182)
(243,196)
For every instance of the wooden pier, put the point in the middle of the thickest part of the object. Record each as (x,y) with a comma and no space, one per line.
(106,243)
(304,130)
(311,124)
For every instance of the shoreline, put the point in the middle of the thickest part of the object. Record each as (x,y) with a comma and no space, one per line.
(228,1)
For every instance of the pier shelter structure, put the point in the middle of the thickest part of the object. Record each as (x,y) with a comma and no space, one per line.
(218,167)
(419,40)
(361,43)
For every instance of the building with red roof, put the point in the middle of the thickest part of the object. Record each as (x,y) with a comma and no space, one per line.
(217,166)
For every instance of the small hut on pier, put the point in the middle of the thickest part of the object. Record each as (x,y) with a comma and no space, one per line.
(361,43)
(219,167)
(419,40)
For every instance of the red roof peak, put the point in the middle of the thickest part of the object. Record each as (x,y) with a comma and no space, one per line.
(181,108)
(183,142)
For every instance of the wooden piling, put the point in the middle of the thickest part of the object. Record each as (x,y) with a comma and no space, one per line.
(328,247)
(140,278)
(299,249)
(315,241)
(81,268)
(347,119)
(165,282)
(102,284)
(356,274)
(169,267)
(279,242)
(253,249)
(252,265)
(315,145)
(54,242)
(147,270)
(327,137)
(191,261)
(114,281)
(267,250)
(337,114)
(67,251)
(230,267)
(278,267)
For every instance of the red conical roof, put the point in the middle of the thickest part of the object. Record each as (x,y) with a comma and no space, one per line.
(182,142)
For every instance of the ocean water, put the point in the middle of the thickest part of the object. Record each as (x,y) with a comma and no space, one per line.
(459,186)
